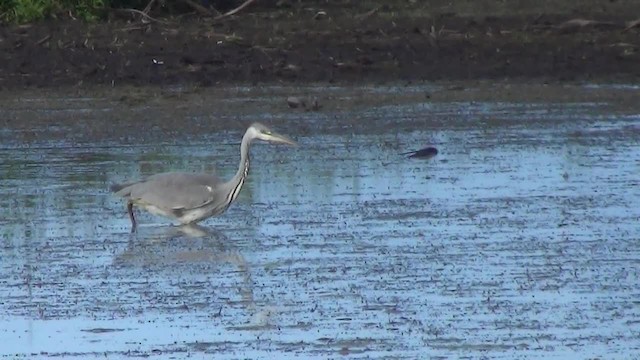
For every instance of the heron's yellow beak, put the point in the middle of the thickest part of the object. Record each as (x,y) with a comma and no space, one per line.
(279,139)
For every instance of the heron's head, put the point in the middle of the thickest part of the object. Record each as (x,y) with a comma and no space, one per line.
(259,131)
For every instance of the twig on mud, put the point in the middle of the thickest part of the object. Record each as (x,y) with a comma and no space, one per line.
(632,24)
(368,13)
(133,28)
(234,11)
(262,50)
(148,7)
(199,8)
(624,45)
(43,40)
(577,24)
(582,23)
(145,16)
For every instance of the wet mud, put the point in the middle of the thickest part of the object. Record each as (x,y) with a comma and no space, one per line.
(332,42)
(518,240)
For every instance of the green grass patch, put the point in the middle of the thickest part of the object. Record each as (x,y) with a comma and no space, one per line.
(24,11)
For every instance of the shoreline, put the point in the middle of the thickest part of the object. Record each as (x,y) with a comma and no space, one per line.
(291,46)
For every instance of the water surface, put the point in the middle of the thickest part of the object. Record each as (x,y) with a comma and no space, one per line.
(519,240)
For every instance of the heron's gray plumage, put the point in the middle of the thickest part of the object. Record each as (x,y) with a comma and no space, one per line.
(174,190)
(190,197)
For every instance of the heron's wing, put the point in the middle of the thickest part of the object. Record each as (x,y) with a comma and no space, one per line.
(176,191)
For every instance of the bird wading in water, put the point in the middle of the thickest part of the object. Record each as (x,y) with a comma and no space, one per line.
(189,197)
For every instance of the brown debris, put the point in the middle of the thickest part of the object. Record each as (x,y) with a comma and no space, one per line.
(199,8)
(295,102)
(145,17)
(234,11)
(632,24)
(574,24)
(368,13)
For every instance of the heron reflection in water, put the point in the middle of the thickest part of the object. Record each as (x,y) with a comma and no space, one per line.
(188,197)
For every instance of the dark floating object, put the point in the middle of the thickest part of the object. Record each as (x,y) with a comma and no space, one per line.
(426,153)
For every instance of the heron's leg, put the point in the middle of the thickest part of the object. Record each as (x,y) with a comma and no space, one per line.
(131,216)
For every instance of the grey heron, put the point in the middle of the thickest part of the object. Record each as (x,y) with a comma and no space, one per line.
(190,197)
(426,153)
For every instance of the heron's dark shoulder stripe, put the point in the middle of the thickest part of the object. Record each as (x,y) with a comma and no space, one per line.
(236,190)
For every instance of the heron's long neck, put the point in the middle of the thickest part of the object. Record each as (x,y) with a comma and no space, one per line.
(243,169)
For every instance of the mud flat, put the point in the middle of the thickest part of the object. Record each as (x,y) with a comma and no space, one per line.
(333,42)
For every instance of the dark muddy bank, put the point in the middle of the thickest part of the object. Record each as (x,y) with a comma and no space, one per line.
(327,42)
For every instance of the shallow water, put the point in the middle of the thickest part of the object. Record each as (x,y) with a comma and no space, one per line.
(519,240)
